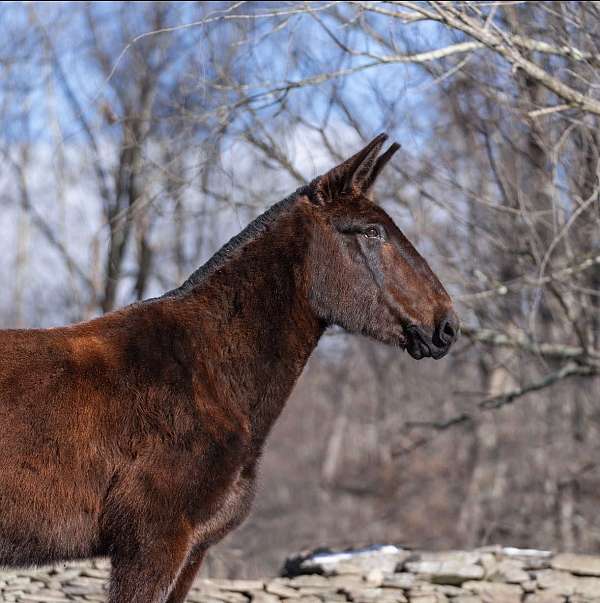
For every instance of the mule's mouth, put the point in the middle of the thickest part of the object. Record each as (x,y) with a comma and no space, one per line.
(419,344)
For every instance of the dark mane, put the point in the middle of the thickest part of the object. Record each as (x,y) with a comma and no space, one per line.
(221,257)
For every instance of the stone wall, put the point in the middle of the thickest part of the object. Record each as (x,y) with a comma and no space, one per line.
(386,574)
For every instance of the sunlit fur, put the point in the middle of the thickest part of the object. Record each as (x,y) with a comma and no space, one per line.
(137,435)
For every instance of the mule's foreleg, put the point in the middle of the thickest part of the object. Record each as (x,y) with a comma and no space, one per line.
(147,572)
(186,576)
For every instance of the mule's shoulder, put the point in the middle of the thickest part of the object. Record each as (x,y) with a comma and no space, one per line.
(101,341)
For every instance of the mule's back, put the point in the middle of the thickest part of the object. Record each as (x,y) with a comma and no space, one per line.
(66,394)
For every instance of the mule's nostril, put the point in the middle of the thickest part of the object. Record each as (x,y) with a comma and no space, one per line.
(448,329)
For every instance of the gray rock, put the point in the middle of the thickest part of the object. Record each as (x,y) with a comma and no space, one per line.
(282,590)
(365,594)
(566,584)
(375,577)
(240,586)
(582,565)
(445,589)
(317,591)
(262,597)
(490,575)
(507,570)
(78,590)
(401,580)
(510,551)
(393,594)
(216,594)
(309,580)
(588,587)
(544,597)
(530,559)
(494,592)
(427,598)
(333,597)
(557,581)
(529,586)
(348,580)
(463,557)
(488,561)
(43,598)
(447,571)
(359,561)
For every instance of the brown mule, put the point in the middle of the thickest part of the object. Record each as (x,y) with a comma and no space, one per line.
(137,435)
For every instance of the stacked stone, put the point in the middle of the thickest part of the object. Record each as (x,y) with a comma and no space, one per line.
(387,575)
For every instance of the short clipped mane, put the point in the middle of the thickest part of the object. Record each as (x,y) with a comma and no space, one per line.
(250,233)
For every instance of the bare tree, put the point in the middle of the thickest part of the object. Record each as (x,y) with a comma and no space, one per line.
(174,124)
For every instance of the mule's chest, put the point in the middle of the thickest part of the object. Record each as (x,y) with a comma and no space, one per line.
(230,510)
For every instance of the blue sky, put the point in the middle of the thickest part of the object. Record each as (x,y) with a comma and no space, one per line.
(37,109)
(267,58)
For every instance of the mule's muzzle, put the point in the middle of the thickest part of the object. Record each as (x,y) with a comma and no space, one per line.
(424,344)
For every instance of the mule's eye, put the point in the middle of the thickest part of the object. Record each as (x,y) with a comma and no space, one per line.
(371,233)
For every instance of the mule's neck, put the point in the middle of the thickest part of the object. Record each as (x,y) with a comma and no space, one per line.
(257,328)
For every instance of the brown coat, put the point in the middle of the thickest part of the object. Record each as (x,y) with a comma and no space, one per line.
(137,435)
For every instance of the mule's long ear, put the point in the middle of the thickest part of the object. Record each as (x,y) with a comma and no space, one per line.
(349,174)
(368,182)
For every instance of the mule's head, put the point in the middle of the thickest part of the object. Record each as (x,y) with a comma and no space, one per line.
(363,273)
